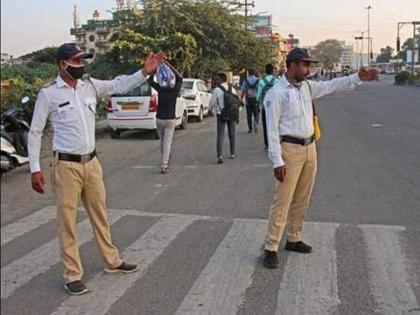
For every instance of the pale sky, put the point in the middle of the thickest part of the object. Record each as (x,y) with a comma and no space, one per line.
(28,25)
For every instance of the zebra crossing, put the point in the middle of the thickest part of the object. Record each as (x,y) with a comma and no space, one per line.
(309,283)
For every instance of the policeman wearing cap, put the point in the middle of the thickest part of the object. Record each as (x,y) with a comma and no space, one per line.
(69,102)
(292,148)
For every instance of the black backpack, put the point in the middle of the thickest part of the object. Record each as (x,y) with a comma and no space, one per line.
(268,85)
(231,109)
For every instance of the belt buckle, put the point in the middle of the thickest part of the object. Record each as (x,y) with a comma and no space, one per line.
(85,158)
(307,141)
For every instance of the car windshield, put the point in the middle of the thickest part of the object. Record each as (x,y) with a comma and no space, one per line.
(187,85)
(142,90)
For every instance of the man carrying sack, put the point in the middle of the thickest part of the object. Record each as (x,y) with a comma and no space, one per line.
(291,135)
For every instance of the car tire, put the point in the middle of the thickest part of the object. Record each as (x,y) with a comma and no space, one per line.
(115,133)
(156,134)
(200,116)
(184,121)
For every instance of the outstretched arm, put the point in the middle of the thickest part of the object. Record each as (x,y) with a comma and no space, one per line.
(321,88)
(124,83)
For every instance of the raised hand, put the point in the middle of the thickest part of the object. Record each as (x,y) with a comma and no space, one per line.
(152,61)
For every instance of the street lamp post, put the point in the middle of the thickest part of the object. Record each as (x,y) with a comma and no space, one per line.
(361,55)
(369,48)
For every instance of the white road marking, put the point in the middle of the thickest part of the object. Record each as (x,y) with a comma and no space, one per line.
(221,285)
(388,276)
(107,289)
(309,284)
(27,224)
(19,272)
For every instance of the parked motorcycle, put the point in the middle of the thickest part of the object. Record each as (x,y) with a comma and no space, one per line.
(14,138)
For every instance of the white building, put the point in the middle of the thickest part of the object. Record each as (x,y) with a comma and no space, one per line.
(6,58)
(346,58)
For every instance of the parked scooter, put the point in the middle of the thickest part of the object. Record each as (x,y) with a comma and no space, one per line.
(14,138)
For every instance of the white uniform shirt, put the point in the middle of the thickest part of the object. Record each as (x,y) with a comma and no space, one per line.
(72,114)
(217,103)
(289,109)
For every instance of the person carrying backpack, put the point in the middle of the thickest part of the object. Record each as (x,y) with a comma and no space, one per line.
(249,90)
(225,103)
(263,86)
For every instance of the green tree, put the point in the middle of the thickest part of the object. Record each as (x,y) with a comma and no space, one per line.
(44,55)
(328,52)
(385,55)
(24,81)
(199,37)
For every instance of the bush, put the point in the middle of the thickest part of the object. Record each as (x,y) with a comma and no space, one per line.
(24,81)
(403,77)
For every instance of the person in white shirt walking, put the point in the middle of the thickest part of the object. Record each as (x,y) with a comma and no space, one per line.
(69,102)
(216,106)
(292,149)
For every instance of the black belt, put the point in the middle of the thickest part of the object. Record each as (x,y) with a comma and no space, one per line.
(84,158)
(301,141)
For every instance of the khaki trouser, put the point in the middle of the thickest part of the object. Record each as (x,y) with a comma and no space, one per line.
(292,195)
(72,181)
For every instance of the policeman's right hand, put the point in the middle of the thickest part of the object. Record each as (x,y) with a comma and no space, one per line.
(280,173)
(38,182)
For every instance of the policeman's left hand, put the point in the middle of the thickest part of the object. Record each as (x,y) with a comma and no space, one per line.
(152,61)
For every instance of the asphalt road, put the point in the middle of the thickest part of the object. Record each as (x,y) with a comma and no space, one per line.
(209,222)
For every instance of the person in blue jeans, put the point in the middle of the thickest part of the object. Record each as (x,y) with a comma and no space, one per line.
(216,106)
(249,91)
(264,85)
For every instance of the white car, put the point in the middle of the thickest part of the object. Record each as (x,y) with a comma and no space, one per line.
(197,96)
(136,110)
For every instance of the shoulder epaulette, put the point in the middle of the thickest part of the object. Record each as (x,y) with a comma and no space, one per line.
(49,84)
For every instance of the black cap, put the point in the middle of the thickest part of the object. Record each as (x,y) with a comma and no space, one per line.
(71,51)
(300,54)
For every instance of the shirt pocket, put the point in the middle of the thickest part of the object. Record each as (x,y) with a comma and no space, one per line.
(66,112)
(90,104)
(291,109)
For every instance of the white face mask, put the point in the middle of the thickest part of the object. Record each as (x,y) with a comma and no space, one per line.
(75,72)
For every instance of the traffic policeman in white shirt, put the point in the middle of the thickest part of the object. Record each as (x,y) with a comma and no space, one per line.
(69,102)
(288,105)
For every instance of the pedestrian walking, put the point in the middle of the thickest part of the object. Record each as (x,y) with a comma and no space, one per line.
(249,91)
(292,148)
(165,116)
(69,102)
(217,104)
(282,71)
(264,85)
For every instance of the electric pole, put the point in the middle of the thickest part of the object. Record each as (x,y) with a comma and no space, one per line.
(246,5)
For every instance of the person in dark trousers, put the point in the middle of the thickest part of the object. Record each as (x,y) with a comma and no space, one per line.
(217,105)
(249,91)
(69,102)
(269,79)
(165,116)
(292,149)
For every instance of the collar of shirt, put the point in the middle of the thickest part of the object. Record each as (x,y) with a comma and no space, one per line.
(61,83)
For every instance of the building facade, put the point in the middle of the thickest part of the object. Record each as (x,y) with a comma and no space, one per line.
(346,58)
(95,36)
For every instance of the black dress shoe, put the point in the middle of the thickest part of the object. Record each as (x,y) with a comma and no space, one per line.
(270,259)
(299,247)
